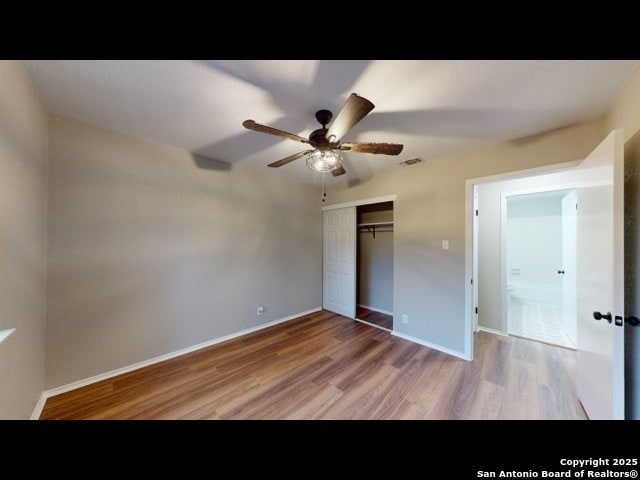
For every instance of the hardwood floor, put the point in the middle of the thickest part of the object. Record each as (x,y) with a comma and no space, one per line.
(324,366)
(376,318)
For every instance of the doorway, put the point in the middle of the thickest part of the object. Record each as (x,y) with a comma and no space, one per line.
(374,259)
(540,266)
(495,277)
(358,254)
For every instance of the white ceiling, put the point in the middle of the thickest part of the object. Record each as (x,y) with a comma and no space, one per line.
(433,107)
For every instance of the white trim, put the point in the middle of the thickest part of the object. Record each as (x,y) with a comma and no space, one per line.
(365,201)
(468,234)
(372,325)
(491,330)
(440,348)
(474,257)
(504,306)
(528,172)
(37,411)
(375,309)
(469,306)
(145,363)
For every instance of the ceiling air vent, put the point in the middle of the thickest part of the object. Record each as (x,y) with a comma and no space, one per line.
(412,161)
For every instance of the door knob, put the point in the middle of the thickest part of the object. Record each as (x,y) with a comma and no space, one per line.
(560,272)
(600,316)
(633,321)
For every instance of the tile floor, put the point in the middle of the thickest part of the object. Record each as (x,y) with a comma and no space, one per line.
(538,321)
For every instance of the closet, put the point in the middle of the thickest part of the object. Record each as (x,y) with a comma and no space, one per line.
(374,264)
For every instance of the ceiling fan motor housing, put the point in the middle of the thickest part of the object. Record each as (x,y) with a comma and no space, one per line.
(318,139)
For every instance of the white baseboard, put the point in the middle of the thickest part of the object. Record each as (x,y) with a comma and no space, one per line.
(440,348)
(375,309)
(35,415)
(491,330)
(372,324)
(145,363)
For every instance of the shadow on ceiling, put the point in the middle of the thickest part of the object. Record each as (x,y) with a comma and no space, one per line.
(208,163)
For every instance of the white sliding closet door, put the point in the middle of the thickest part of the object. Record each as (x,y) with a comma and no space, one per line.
(339,261)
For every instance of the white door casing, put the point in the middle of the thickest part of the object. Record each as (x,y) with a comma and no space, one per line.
(339,261)
(600,279)
(569,304)
(475,258)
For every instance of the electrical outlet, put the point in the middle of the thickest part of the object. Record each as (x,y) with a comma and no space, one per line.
(260,310)
(445,244)
(405,318)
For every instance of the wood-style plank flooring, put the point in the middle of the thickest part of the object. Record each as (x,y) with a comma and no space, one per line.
(324,366)
(376,318)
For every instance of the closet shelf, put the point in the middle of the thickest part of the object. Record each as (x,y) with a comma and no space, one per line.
(375,224)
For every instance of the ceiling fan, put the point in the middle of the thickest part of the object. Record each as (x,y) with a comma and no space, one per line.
(325,156)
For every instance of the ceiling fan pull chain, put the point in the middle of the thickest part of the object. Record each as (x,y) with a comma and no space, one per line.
(324,193)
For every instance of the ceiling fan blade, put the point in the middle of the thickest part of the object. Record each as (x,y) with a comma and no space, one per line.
(288,159)
(353,110)
(338,171)
(252,125)
(382,148)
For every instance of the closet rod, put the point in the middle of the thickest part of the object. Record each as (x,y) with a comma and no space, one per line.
(372,229)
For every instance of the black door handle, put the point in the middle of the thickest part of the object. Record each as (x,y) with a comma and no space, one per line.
(633,321)
(560,272)
(600,316)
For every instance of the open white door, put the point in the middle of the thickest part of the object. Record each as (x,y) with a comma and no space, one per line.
(600,280)
(339,261)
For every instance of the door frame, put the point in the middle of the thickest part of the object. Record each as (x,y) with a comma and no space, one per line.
(364,201)
(357,203)
(504,317)
(471,286)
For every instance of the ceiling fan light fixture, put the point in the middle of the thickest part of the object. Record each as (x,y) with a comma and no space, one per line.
(324,160)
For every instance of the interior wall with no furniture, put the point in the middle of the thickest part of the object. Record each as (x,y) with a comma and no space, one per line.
(429,282)
(152,250)
(23,186)
(490,241)
(375,258)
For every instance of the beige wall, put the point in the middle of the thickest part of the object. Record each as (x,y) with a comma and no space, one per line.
(149,253)
(23,173)
(625,112)
(430,207)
